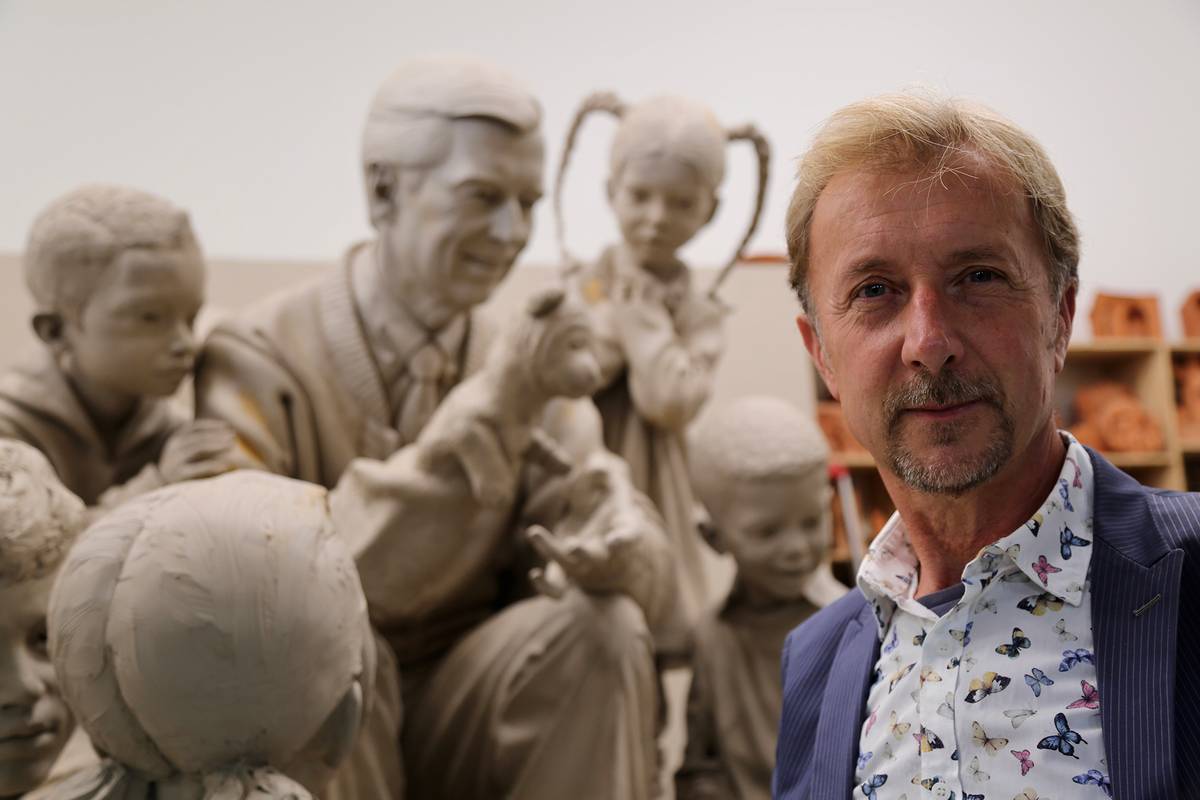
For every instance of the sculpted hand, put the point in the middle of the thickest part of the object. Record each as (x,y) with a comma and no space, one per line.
(594,544)
(200,449)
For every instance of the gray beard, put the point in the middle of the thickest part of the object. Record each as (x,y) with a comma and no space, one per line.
(939,478)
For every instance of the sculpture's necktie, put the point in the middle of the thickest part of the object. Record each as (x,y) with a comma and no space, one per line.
(427,367)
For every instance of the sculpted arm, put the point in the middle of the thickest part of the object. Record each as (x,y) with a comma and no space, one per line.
(239,383)
(593,528)
(671,361)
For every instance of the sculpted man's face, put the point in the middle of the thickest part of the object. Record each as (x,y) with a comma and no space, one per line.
(935,324)
(461,224)
(660,203)
(34,721)
(133,336)
(777,530)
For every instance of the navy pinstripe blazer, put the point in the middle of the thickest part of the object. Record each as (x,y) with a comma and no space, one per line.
(1146,560)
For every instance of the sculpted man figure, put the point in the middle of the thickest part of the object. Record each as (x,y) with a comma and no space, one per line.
(1021,625)
(504,694)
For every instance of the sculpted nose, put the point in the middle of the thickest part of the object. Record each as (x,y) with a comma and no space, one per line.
(20,685)
(930,342)
(184,341)
(510,223)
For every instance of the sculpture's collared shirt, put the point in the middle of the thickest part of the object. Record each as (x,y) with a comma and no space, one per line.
(997,694)
(395,338)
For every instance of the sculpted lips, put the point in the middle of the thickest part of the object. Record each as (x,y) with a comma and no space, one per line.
(21,740)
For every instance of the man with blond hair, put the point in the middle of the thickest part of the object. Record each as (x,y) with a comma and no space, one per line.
(1022,623)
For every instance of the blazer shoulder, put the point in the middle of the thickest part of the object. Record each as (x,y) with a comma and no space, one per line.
(820,634)
(1177,516)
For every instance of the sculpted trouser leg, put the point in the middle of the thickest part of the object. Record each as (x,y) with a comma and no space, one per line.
(373,769)
(548,699)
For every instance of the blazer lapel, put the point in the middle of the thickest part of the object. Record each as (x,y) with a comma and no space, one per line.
(1135,607)
(839,726)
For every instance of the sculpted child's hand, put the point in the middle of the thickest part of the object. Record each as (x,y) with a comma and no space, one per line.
(200,449)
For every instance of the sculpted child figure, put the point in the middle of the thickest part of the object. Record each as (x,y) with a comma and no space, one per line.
(212,638)
(760,468)
(39,520)
(117,278)
(661,336)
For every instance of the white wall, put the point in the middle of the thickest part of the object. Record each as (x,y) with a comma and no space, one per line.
(248,112)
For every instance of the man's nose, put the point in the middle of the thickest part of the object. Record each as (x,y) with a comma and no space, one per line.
(930,341)
(510,223)
(20,683)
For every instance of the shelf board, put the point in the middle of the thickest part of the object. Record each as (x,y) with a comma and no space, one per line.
(1186,346)
(852,459)
(1156,458)
(1191,450)
(1115,346)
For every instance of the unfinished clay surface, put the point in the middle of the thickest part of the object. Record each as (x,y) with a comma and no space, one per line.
(1187,381)
(236,638)
(1110,416)
(39,520)
(1126,315)
(1190,312)
(117,278)
(661,336)
(468,461)
(760,468)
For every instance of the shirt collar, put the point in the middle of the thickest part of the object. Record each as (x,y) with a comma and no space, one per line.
(1053,548)
(392,333)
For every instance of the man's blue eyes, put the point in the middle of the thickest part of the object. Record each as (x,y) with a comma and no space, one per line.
(877,289)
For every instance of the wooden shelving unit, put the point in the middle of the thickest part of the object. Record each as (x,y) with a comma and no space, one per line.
(1144,365)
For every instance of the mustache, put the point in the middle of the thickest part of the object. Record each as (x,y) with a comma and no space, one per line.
(943,389)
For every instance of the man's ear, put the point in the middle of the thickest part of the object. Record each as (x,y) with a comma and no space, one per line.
(812,343)
(382,194)
(50,328)
(1065,320)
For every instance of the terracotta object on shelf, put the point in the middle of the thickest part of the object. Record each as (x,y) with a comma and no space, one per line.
(1191,315)
(1109,416)
(833,425)
(1187,383)
(1126,315)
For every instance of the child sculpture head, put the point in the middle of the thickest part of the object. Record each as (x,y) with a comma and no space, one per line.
(211,632)
(665,171)
(39,519)
(759,466)
(118,278)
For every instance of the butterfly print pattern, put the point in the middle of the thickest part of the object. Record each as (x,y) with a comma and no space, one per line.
(998,697)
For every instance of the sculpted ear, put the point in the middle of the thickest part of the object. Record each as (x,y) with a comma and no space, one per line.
(50,328)
(382,193)
(712,212)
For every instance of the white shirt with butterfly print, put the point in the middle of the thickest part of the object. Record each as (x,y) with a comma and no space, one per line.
(998,699)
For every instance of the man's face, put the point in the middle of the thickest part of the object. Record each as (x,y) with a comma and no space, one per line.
(34,721)
(134,334)
(777,530)
(935,324)
(459,226)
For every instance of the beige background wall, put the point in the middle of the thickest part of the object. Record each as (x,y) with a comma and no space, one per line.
(249,114)
(765,354)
